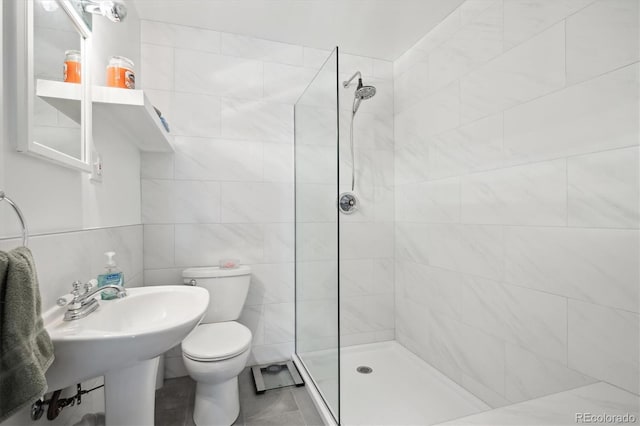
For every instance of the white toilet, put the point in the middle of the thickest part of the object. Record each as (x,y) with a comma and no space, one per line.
(217,350)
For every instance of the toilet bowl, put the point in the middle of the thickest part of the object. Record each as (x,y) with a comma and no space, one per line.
(217,350)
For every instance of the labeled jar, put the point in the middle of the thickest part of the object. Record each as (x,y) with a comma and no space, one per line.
(120,73)
(72,69)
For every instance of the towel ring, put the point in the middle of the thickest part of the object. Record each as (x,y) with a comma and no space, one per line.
(25,232)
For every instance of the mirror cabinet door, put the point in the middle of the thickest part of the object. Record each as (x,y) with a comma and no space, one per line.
(57,112)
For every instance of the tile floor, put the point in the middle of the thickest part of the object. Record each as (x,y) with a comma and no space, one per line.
(288,406)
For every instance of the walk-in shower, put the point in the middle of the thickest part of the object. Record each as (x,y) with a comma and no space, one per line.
(490,274)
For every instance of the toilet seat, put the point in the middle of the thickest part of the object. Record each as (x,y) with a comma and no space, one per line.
(216,341)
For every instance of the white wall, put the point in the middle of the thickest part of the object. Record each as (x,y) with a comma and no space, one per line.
(228,189)
(516,126)
(94,217)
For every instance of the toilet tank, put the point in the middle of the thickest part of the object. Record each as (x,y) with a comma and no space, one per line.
(227,290)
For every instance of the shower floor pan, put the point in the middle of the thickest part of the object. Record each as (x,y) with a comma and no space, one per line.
(401,389)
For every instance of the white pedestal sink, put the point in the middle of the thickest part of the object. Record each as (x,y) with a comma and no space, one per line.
(122,341)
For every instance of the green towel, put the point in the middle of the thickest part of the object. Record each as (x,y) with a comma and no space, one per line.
(26,350)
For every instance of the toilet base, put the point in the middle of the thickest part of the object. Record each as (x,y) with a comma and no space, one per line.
(217,404)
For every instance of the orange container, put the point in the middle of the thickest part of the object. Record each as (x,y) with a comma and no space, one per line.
(72,67)
(120,73)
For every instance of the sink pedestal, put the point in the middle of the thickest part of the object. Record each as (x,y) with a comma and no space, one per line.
(130,394)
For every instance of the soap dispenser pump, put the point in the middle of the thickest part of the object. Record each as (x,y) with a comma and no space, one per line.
(112,276)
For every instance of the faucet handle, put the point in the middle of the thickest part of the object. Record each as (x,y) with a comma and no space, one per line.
(76,288)
(89,285)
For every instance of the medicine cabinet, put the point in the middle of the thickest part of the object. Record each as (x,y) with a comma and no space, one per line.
(48,42)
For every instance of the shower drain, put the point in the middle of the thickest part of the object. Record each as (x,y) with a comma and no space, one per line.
(363,369)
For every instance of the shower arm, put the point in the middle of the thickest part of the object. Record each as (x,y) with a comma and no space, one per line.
(346,83)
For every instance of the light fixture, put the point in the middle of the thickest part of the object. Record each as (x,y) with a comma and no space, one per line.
(114,10)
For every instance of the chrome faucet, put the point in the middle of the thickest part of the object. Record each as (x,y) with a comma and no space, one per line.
(84,303)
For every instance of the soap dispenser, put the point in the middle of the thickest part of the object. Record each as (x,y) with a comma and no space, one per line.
(112,276)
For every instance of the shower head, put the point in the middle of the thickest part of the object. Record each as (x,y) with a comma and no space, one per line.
(362,92)
(365,92)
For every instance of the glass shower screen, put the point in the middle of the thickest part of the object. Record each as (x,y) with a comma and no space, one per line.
(316,219)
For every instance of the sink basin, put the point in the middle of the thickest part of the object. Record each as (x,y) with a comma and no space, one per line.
(123,338)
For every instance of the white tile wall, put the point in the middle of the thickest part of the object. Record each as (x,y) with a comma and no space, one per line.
(228,189)
(516,180)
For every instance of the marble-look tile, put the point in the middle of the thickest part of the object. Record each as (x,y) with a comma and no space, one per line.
(316,125)
(486,394)
(317,280)
(604,189)
(168,276)
(533,194)
(208,73)
(604,342)
(602,37)
(278,162)
(157,197)
(157,66)
(434,114)
(256,202)
(355,277)
(257,120)
(408,60)
(316,164)
(279,242)
(194,114)
(524,19)
(202,245)
(473,249)
(534,320)
(473,147)
(217,159)
(594,265)
(278,323)
(315,58)
(432,202)
(349,64)
(560,408)
(384,204)
(265,354)
(252,317)
(412,85)
(197,201)
(530,376)
(271,283)
(158,246)
(530,70)
(355,315)
(366,240)
(155,165)
(316,241)
(435,289)
(411,162)
(315,202)
(476,354)
(412,241)
(474,44)
(181,36)
(259,49)
(371,130)
(596,115)
(285,83)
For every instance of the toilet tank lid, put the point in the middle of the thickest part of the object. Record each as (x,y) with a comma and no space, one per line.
(215,272)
